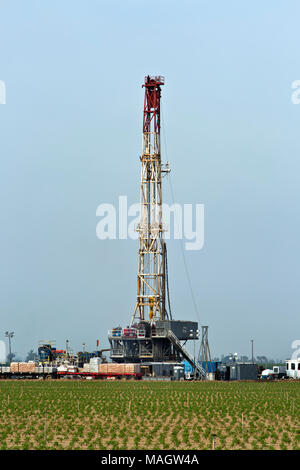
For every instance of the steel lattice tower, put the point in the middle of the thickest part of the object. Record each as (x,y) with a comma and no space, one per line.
(204,352)
(150,305)
(153,336)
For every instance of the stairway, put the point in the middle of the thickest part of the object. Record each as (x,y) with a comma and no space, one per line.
(174,340)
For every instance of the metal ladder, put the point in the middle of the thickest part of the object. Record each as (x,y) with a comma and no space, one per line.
(173,338)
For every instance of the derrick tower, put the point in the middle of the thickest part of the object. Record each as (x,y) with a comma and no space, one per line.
(151,277)
(153,336)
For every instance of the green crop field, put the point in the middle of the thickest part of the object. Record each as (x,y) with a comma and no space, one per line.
(143,415)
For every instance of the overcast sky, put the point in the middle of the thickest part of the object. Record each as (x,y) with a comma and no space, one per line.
(70,138)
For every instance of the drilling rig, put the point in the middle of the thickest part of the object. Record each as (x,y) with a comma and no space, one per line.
(153,335)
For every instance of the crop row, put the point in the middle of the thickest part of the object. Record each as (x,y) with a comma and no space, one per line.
(139,415)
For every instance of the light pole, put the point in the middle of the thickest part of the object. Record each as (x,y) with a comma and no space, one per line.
(9,335)
(252,341)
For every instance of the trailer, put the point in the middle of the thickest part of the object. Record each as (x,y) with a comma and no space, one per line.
(293,368)
(48,372)
(67,374)
(99,375)
(27,375)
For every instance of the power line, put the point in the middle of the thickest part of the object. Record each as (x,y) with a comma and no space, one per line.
(181,241)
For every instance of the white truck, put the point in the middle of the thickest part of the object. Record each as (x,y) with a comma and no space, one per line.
(278,372)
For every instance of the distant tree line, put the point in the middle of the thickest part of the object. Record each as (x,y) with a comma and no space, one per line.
(30,356)
(260,360)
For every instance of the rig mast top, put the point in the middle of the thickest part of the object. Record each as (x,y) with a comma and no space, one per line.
(152,103)
(150,305)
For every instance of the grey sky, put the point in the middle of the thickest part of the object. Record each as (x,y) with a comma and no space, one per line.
(70,140)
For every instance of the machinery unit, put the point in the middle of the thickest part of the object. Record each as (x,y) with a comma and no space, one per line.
(153,335)
(237,371)
(243,371)
(184,330)
(46,351)
(278,372)
(172,370)
(155,341)
(211,368)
